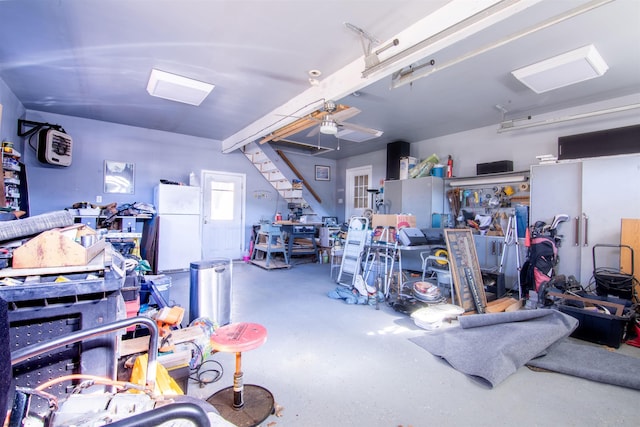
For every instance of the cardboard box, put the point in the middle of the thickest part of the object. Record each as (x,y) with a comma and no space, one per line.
(406,164)
(59,247)
(386,227)
(398,221)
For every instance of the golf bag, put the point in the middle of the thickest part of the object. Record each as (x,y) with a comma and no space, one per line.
(540,263)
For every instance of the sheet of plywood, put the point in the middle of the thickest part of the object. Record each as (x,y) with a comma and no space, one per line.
(630,236)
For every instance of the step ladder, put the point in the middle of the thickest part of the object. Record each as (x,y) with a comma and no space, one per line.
(353,251)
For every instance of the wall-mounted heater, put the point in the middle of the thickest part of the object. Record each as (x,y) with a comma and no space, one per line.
(54,147)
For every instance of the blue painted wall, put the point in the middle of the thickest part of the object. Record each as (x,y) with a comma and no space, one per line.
(12,110)
(162,155)
(156,155)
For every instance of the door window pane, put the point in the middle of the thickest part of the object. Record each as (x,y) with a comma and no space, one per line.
(360,195)
(222,201)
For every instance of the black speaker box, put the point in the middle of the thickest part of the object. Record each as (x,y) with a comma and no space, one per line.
(625,140)
(395,150)
(494,167)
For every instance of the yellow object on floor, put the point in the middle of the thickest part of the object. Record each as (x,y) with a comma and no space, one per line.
(165,385)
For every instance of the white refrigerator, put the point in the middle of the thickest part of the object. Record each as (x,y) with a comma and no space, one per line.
(178,227)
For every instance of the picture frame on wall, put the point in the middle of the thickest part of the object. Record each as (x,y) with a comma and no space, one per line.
(323,173)
(119,177)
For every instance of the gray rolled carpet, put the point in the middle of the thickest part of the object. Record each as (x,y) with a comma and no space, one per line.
(493,346)
(35,224)
(590,362)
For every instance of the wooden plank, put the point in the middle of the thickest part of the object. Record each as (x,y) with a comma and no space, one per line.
(98,263)
(295,171)
(56,248)
(301,124)
(295,127)
(500,305)
(630,236)
(273,263)
(141,344)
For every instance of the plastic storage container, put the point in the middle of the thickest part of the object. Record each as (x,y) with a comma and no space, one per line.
(162,284)
(597,327)
(210,291)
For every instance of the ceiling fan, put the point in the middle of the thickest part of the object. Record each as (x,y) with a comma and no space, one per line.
(330,121)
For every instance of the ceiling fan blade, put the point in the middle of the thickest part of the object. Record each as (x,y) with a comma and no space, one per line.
(346,114)
(314,131)
(362,129)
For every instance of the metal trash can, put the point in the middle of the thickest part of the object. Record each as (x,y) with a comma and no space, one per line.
(210,292)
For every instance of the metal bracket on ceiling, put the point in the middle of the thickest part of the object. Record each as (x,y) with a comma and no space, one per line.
(368,41)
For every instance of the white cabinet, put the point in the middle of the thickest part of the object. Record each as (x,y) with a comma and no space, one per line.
(596,193)
(421,197)
(178,227)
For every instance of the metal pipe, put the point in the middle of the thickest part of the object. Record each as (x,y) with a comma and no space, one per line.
(412,76)
(568,118)
(25,353)
(447,32)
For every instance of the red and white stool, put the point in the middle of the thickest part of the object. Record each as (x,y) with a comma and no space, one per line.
(243,405)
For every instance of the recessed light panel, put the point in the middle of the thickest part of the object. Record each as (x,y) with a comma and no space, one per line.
(177,88)
(566,69)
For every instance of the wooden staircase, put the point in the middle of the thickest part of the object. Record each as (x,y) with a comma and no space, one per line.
(285,179)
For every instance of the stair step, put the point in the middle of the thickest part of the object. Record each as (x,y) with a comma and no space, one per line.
(260,158)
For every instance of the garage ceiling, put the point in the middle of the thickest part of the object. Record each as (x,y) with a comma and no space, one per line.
(93,59)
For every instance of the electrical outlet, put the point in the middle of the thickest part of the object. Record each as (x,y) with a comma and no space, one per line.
(98,199)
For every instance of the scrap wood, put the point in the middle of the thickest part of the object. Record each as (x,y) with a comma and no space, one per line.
(141,344)
(514,307)
(500,305)
(278,410)
(619,307)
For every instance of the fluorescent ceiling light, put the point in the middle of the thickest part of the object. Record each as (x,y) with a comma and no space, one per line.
(487,181)
(177,88)
(566,69)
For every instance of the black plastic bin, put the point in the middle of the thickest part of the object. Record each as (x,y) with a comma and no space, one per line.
(598,327)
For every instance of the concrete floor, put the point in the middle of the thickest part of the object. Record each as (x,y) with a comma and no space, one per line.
(328,363)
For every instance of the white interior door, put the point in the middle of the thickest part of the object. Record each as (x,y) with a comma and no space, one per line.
(223,205)
(356,201)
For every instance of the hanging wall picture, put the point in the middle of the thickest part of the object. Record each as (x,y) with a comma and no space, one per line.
(323,173)
(118,177)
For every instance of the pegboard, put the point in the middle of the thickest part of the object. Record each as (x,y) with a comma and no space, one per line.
(42,319)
